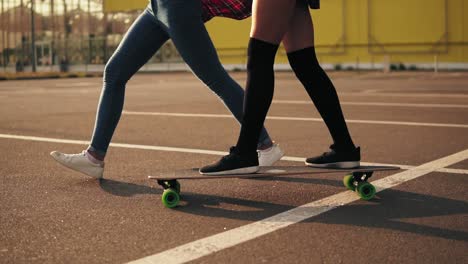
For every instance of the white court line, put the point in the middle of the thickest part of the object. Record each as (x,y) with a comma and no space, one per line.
(404,167)
(454,171)
(351,94)
(298,119)
(394,94)
(48,92)
(378,104)
(190,150)
(209,245)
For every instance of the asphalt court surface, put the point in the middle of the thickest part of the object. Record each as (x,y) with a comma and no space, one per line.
(51,214)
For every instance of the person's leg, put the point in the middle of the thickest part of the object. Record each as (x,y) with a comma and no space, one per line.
(299,44)
(190,37)
(139,44)
(269,24)
(142,40)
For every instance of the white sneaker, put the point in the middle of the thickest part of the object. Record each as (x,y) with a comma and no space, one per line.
(269,156)
(79,162)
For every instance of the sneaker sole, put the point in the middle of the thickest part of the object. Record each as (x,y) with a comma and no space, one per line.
(246,170)
(74,169)
(336,165)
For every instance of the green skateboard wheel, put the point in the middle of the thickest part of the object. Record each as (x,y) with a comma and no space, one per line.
(170,198)
(366,190)
(348,182)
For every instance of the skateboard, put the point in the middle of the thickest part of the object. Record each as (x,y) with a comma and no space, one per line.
(354,180)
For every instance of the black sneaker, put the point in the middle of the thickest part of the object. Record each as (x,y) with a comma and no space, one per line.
(336,159)
(234,163)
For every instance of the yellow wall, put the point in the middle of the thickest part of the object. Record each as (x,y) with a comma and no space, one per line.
(123,5)
(370,31)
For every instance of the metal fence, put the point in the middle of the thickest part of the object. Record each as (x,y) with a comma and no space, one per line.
(57,34)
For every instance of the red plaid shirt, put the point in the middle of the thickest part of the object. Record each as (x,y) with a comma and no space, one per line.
(236,9)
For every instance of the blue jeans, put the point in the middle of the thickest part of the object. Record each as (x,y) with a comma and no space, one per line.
(179,20)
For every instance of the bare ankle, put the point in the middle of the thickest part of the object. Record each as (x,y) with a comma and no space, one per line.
(95,155)
(265,145)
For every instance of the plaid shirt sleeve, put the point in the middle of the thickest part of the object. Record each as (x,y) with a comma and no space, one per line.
(235,9)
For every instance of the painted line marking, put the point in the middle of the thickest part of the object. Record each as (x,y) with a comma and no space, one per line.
(378,104)
(68,91)
(293,102)
(395,94)
(209,245)
(404,167)
(297,119)
(454,171)
(194,151)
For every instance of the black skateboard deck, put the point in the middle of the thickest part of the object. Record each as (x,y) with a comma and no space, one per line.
(355,179)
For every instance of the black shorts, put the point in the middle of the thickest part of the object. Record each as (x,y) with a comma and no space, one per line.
(314,4)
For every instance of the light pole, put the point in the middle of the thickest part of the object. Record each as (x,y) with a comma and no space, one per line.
(3,60)
(33,38)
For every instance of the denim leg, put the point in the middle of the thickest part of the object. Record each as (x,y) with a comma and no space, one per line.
(189,35)
(139,44)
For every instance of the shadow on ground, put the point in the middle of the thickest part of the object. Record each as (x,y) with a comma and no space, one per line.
(393,210)
(387,211)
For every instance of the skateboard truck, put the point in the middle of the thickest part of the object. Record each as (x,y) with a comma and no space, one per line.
(357,181)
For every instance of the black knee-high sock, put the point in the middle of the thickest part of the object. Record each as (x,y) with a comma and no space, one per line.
(258,93)
(322,92)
